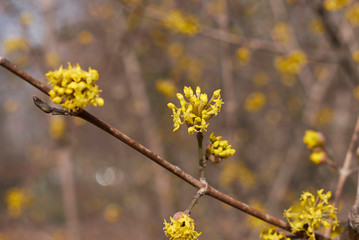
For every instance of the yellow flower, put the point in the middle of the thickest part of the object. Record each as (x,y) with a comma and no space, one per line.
(74,88)
(13,44)
(197,111)
(181,228)
(255,102)
(313,139)
(352,14)
(355,56)
(166,87)
(112,213)
(175,50)
(290,64)
(16,199)
(281,33)
(270,233)
(334,5)
(219,148)
(356,92)
(26,18)
(85,37)
(181,23)
(312,213)
(243,55)
(57,127)
(317,27)
(318,157)
(236,171)
(52,59)
(324,116)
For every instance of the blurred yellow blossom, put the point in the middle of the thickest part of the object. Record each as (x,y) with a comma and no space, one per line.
(190,66)
(181,227)
(334,5)
(281,33)
(85,37)
(356,92)
(175,50)
(52,59)
(313,139)
(57,127)
(317,27)
(74,88)
(243,55)
(16,200)
(290,64)
(355,56)
(255,102)
(312,213)
(26,18)
(318,157)
(270,233)
(197,111)
(13,44)
(181,23)
(218,149)
(324,116)
(166,87)
(254,223)
(112,213)
(352,14)
(233,171)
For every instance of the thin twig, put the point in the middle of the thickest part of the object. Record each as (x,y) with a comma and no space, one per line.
(345,171)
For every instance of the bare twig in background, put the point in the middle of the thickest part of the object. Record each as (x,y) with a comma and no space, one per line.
(227,71)
(65,169)
(338,42)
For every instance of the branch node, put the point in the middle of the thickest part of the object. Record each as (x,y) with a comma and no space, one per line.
(47,108)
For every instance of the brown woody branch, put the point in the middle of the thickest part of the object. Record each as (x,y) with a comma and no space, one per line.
(210,191)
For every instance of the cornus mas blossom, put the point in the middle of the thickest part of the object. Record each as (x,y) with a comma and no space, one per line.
(270,233)
(181,228)
(196,111)
(219,147)
(312,213)
(74,88)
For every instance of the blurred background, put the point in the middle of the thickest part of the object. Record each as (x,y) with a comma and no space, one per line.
(281,70)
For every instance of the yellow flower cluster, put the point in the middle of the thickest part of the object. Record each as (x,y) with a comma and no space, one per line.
(270,233)
(290,64)
(197,111)
(16,199)
(74,88)
(166,87)
(236,171)
(312,213)
(352,14)
(315,142)
(334,5)
(218,147)
(180,23)
(181,228)
(243,55)
(13,44)
(255,102)
(281,33)
(313,139)
(317,27)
